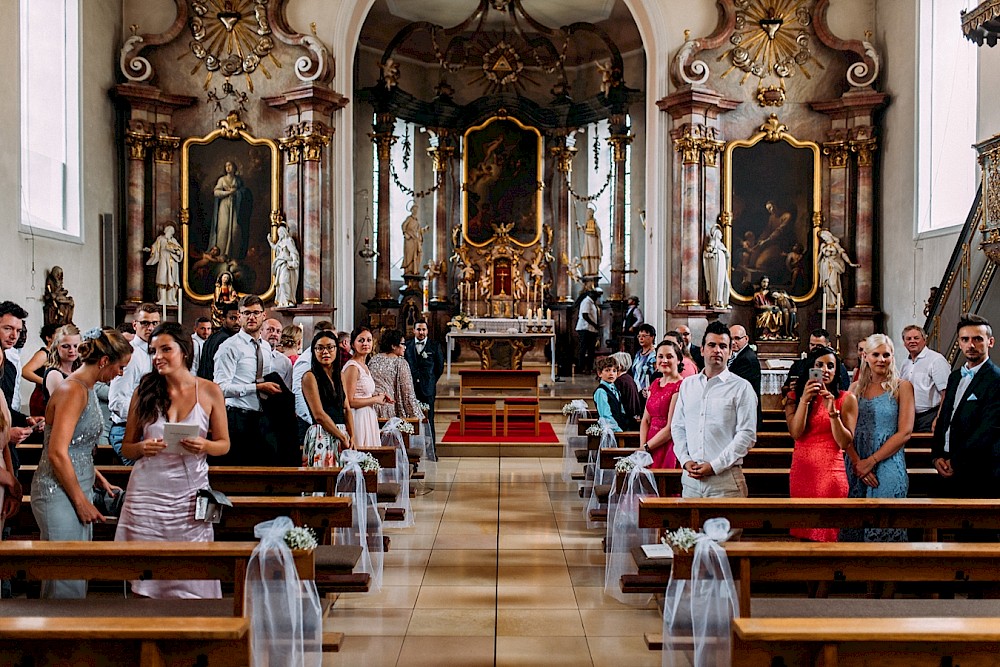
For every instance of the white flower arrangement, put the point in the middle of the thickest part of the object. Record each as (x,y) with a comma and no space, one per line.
(301,537)
(568,409)
(594,429)
(624,465)
(681,539)
(406,427)
(424,407)
(369,463)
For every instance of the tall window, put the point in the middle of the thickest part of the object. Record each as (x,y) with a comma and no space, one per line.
(399,201)
(49,67)
(604,205)
(946,117)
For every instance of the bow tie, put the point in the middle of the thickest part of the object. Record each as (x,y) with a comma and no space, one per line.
(968,372)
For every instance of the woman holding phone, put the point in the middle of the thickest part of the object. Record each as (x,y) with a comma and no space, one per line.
(160,499)
(821,417)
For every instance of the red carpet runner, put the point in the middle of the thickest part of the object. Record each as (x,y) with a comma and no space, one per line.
(478,431)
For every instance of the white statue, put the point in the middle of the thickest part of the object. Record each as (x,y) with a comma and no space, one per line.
(592,247)
(284,268)
(716,259)
(413,243)
(833,262)
(166,254)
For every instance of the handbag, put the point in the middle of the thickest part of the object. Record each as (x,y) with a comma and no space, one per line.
(109,504)
(208,505)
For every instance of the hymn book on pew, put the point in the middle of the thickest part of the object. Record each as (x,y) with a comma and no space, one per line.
(174,433)
(657,551)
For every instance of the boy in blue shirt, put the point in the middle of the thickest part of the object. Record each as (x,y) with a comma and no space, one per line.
(607,399)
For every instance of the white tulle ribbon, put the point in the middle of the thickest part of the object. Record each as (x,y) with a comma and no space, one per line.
(601,476)
(366,528)
(393,437)
(623,532)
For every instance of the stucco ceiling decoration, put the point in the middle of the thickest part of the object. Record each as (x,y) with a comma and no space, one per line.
(771,39)
(549,12)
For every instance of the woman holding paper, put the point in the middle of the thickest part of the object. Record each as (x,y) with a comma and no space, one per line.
(175,422)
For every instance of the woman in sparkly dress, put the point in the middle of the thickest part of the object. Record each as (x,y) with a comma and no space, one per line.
(393,378)
(61,489)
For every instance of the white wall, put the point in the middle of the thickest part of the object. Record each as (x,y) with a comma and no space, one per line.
(100,39)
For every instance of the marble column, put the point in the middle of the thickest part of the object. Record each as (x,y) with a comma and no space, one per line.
(838,191)
(165,195)
(563,155)
(863,144)
(291,194)
(383,138)
(137,139)
(619,140)
(441,152)
(315,135)
(688,209)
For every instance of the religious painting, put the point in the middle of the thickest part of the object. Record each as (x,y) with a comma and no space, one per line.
(501,190)
(771,213)
(230,207)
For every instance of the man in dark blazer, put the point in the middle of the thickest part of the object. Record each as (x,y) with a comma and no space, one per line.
(744,363)
(689,350)
(426,365)
(966,444)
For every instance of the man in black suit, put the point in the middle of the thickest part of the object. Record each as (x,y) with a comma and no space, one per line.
(689,350)
(966,444)
(817,338)
(744,363)
(426,365)
(230,327)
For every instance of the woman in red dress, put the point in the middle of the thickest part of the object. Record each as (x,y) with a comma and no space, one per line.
(821,417)
(654,430)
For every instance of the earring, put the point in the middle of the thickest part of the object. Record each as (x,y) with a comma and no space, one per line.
(101,366)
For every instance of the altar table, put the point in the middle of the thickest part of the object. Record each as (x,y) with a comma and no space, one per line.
(520,343)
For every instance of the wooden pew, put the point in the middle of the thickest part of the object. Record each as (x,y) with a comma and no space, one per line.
(769,457)
(846,642)
(28,453)
(122,632)
(497,384)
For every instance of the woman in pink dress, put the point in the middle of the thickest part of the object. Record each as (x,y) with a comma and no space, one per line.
(654,430)
(687,366)
(160,499)
(359,385)
(821,418)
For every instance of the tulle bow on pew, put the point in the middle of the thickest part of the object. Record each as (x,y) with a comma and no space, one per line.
(698,612)
(366,527)
(623,533)
(286,621)
(393,437)
(601,477)
(573,440)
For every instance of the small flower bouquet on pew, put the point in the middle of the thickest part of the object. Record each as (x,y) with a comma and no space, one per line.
(406,427)
(624,465)
(301,537)
(594,429)
(680,540)
(369,463)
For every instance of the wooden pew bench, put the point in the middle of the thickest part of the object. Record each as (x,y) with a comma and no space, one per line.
(124,629)
(846,642)
(29,453)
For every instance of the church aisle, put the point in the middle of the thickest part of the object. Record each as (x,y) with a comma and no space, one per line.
(500,569)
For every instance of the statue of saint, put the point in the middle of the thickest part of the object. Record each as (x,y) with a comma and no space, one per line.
(231,217)
(716,259)
(770,319)
(833,262)
(225,292)
(284,268)
(592,246)
(413,243)
(59,305)
(166,254)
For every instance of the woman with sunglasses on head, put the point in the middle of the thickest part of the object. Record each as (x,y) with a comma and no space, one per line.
(359,385)
(62,488)
(875,464)
(332,429)
(162,487)
(821,417)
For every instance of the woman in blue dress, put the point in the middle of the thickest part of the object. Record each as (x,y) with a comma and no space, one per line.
(876,467)
(62,488)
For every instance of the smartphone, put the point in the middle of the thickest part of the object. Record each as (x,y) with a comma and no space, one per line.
(816,374)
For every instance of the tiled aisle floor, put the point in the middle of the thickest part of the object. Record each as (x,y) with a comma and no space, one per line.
(501,569)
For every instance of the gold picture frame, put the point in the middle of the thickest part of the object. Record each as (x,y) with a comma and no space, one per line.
(502,182)
(772,212)
(225,226)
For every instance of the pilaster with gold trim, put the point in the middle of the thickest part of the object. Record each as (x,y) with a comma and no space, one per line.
(442,152)
(383,138)
(562,155)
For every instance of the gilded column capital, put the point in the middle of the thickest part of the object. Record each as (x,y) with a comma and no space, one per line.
(382,136)
(164,146)
(864,144)
(689,148)
(564,157)
(710,151)
(441,156)
(619,145)
(312,146)
(137,142)
(837,152)
(291,146)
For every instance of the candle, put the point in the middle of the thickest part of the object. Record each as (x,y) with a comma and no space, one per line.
(824,308)
(548,313)
(838,321)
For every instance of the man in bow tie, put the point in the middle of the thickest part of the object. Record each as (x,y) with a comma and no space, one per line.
(966,444)
(426,365)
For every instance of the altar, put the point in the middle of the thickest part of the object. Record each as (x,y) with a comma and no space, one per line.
(520,334)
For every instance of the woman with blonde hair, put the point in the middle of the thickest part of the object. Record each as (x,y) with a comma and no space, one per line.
(875,464)
(290,344)
(63,358)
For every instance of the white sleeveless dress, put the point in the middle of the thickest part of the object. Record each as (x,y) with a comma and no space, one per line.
(366,432)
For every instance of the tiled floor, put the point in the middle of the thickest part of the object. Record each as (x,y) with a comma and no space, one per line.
(500,569)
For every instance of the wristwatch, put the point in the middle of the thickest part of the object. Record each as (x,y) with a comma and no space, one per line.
(645,446)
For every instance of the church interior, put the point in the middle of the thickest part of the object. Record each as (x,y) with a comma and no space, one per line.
(486,167)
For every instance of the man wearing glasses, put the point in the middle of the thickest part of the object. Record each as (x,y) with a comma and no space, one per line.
(147,318)
(692,352)
(240,366)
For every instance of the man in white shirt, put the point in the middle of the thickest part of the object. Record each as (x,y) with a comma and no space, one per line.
(714,423)
(146,319)
(928,372)
(202,330)
(587,330)
(240,366)
(281,364)
(303,364)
